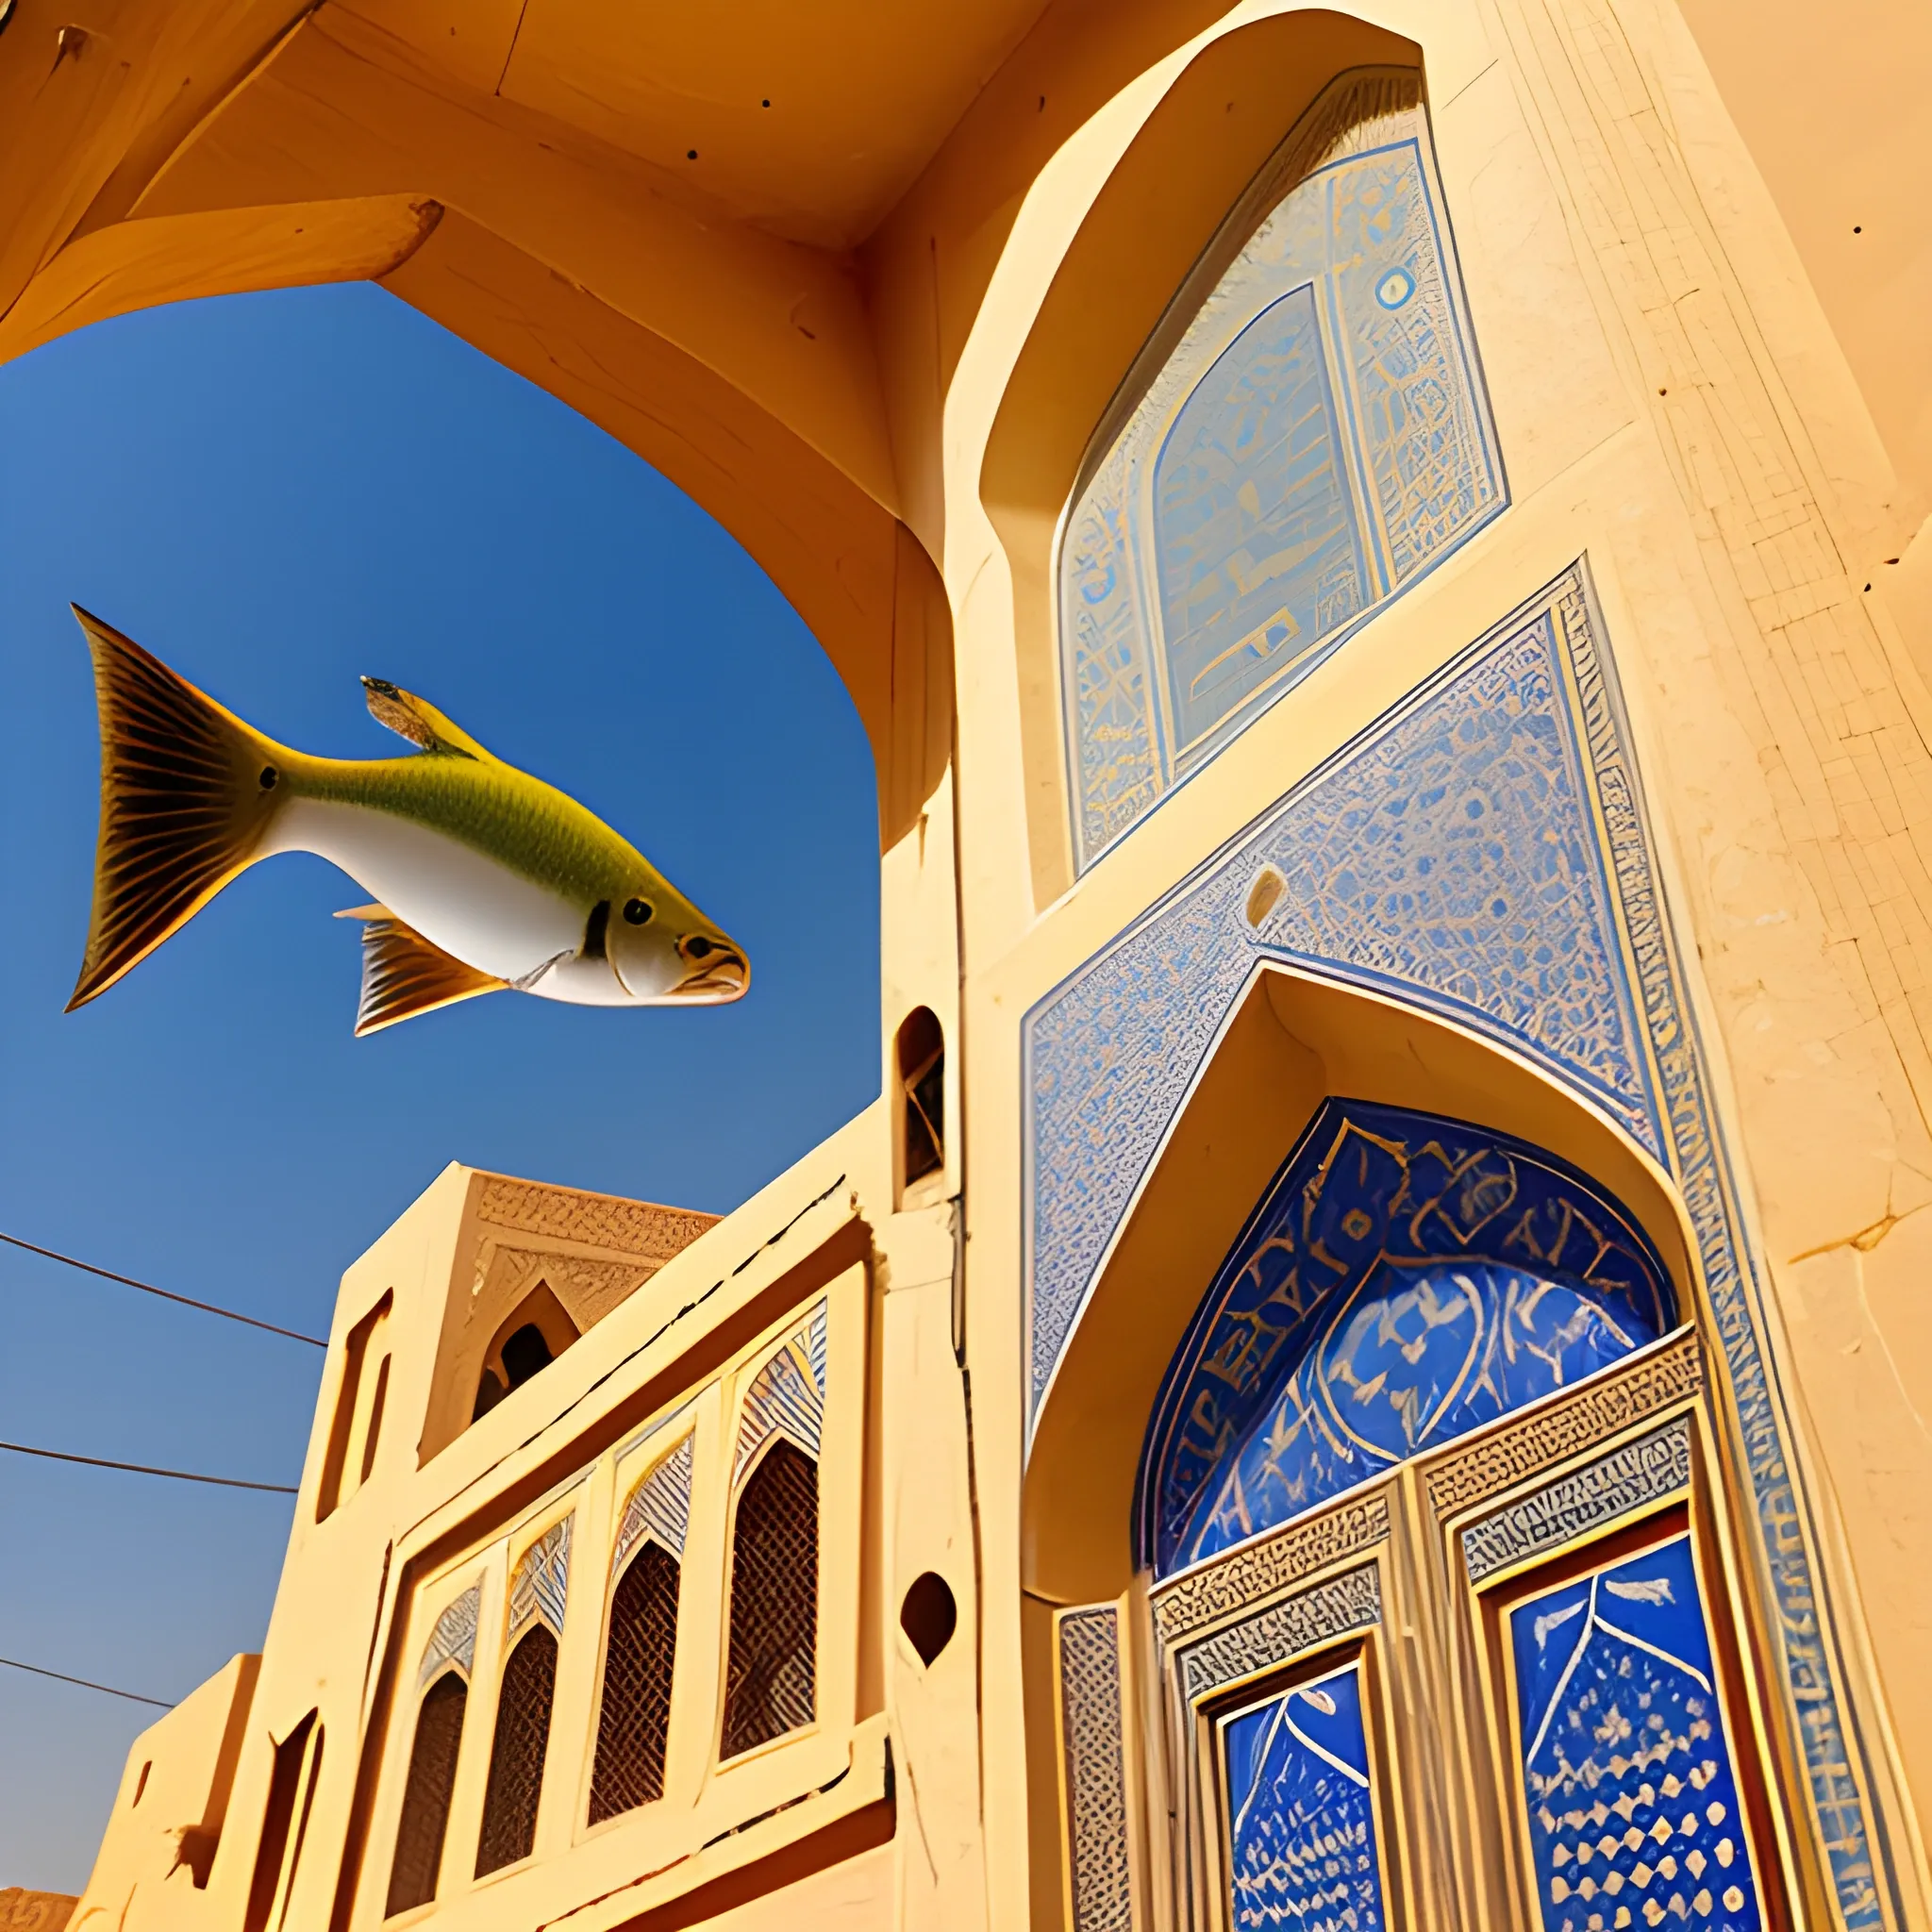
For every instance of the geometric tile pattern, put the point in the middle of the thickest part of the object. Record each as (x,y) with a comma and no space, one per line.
(1315,442)
(1300,1820)
(788,1397)
(454,1640)
(658,1507)
(543,1582)
(1551,939)
(1095,1770)
(1630,1794)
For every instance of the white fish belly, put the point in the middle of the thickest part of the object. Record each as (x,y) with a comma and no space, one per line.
(457,898)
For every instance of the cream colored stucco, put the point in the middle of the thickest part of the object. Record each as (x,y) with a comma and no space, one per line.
(872,329)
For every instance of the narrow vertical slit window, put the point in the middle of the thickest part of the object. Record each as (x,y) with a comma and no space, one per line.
(357,1419)
(921,1054)
(285,1782)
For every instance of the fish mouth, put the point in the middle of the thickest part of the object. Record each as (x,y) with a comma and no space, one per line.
(715,974)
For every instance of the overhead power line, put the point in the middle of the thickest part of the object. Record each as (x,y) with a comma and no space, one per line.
(179,1475)
(167,1295)
(13,1663)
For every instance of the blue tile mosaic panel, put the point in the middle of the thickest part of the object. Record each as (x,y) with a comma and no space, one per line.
(1406,1278)
(1629,1790)
(1482,851)
(1300,1818)
(1317,439)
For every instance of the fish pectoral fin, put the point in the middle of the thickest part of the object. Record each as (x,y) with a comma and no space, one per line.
(528,982)
(403,975)
(419,720)
(371,911)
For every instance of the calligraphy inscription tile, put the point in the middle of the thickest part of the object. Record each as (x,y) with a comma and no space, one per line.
(1350,1601)
(1260,1569)
(1652,1466)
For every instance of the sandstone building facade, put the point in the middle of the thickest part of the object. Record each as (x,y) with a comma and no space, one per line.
(1367,1367)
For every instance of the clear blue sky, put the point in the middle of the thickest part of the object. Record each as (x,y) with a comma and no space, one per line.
(276,494)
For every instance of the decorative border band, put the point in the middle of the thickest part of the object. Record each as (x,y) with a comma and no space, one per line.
(1257,1570)
(1351,1601)
(1095,1770)
(1646,1471)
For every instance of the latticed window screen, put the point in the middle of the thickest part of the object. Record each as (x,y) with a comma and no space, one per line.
(769,1680)
(516,1754)
(634,1719)
(426,1796)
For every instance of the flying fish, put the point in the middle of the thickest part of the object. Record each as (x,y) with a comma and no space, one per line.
(485,879)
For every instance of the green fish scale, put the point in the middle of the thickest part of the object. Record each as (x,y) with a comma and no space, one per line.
(518,820)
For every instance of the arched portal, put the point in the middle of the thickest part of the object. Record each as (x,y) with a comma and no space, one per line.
(1380,1464)
(1403,1280)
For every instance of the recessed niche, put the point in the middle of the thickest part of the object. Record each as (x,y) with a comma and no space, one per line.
(928,1615)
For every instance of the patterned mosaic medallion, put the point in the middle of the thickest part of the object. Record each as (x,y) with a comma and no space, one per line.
(1630,1793)
(1302,1849)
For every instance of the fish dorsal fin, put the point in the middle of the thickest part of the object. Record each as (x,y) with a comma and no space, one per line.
(420,722)
(403,975)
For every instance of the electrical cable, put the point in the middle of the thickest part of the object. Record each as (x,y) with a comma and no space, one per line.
(179,1475)
(13,1663)
(167,1295)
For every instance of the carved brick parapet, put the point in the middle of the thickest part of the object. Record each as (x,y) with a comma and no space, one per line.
(598,1221)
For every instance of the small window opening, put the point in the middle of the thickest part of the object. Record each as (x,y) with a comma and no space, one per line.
(538,1330)
(770,1680)
(357,1421)
(634,1715)
(140,1784)
(426,1794)
(928,1615)
(922,1069)
(274,1865)
(516,1755)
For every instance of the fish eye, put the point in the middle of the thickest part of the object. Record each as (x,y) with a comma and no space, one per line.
(637,911)
(269,776)
(699,948)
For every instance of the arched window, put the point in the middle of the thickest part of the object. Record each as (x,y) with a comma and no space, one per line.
(443,1679)
(537,1594)
(640,1653)
(920,1053)
(771,1670)
(1304,436)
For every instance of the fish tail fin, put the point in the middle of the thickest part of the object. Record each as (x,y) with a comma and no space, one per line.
(186,793)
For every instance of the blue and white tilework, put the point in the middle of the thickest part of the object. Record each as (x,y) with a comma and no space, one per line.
(1316,439)
(1301,1816)
(1480,852)
(1630,1794)
(1404,1279)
